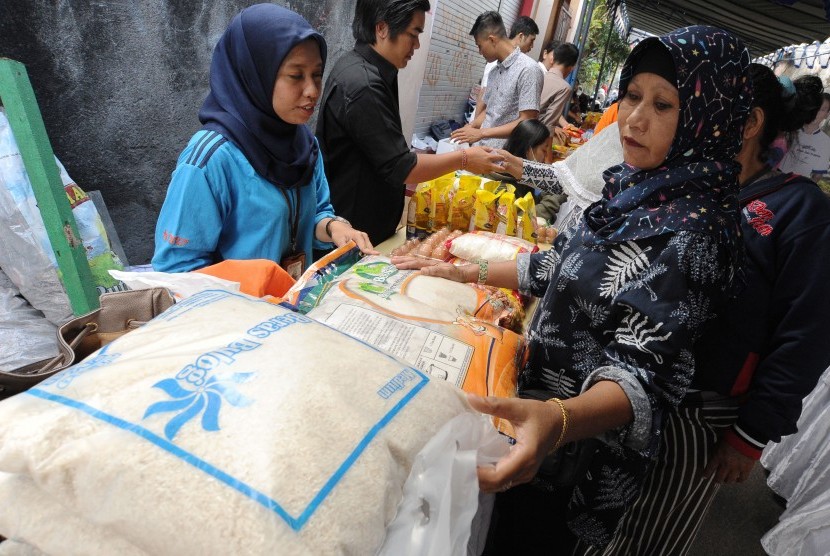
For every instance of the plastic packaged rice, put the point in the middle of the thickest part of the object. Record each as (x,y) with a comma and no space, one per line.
(442,327)
(227,425)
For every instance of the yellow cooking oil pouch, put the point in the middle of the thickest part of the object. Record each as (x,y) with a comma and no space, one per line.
(505,186)
(486,215)
(462,206)
(506,210)
(469,180)
(526,218)
(422,199)
(490,185)
(441,196)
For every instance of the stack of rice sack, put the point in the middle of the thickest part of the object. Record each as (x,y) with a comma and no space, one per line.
(227,425)
(444,328)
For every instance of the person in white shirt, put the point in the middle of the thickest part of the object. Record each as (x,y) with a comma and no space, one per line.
(522,34)
(514,86)
(810,152)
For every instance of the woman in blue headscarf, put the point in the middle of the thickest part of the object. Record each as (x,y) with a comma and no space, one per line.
(625,294)
(250,184)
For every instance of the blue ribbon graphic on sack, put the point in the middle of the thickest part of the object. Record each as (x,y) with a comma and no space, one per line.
(206,400)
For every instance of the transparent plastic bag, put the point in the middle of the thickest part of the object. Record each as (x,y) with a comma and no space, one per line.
(26,336)
(440,512)
(26,254)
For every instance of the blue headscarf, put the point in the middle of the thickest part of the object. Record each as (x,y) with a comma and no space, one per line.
(696,186)
(239,105)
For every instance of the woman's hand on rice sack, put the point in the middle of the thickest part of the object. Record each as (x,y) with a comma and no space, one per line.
(728,465)
(537,426)
(342,233)
(439,269)
(484,160)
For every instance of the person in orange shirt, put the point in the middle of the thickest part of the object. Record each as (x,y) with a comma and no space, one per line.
(608,117)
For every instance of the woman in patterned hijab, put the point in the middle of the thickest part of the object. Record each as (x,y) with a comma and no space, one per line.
(695,187)
(624,295)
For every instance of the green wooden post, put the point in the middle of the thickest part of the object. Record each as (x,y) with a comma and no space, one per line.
(27,125)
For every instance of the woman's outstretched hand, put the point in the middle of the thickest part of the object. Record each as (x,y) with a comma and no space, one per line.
(536,425)
(727,465)
(440,269)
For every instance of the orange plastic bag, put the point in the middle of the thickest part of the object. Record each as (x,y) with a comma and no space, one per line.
(257,277)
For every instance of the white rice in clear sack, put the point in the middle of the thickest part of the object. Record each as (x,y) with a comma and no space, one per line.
(227,425)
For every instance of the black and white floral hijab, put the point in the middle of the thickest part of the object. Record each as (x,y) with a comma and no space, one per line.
(696,186)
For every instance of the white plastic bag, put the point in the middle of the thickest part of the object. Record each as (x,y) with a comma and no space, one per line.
(181,284)
(450,145)
(26,254)
(26,336)
(799,468)
(581,173)
(441,495)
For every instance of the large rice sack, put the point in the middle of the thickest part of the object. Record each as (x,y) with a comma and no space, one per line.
(423,320)
(227,425)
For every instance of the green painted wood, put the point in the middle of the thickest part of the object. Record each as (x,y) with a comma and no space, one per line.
(27,125)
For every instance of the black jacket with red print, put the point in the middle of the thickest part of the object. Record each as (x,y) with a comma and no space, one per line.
(773,344)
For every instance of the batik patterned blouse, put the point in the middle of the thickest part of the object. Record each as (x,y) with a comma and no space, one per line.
(628,312)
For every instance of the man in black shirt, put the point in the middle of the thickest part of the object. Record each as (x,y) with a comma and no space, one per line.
(366,156)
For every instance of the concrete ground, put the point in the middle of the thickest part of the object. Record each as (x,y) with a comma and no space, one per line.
(739,517)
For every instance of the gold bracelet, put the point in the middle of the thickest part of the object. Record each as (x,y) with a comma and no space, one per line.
(564,424)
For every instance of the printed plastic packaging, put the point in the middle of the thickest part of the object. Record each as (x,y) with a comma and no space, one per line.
(442,327)
(489,246)
(227,425)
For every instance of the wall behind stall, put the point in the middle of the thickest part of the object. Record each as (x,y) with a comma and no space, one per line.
(120,83)
(453,64)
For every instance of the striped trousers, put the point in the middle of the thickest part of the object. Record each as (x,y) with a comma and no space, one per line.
(675,497)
